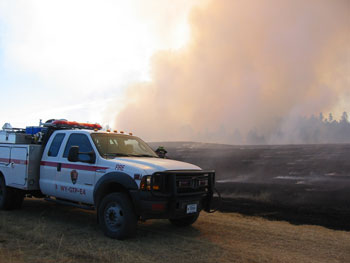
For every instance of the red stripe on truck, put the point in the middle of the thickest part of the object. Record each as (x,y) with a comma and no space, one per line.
(53,164)
(16,161)
(73,166)
(4,160)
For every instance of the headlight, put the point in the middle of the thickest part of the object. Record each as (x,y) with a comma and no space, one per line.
(145,184)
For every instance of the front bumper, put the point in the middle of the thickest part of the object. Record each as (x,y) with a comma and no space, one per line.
(171,201)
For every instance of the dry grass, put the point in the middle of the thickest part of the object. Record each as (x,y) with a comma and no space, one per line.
(45,232)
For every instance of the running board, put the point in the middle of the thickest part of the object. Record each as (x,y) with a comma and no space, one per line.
(63,202)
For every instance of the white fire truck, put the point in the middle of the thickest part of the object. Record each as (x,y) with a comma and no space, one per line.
(116,174)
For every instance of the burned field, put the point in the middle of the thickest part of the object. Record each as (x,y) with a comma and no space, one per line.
(302,184)
(280,204)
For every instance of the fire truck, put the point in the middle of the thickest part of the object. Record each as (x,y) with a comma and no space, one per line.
(115,173)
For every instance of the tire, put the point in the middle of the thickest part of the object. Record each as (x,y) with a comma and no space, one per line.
(6,196)
(117,217)
(184,221)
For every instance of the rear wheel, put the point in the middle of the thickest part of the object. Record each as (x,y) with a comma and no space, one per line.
(117,217)
(10,198)
(185,221)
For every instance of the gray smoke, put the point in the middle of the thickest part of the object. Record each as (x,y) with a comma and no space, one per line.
(251,68)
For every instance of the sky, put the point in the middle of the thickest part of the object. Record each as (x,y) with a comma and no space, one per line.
(74,59)
(201,70)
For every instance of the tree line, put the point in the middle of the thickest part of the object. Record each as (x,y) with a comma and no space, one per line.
(308,130)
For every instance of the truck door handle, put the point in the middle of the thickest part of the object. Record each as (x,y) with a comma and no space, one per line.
(59,165)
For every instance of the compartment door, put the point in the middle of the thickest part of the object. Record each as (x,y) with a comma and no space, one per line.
(5,166)
(19,157)
(4,155)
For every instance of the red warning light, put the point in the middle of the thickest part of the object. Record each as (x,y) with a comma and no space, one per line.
(77,125)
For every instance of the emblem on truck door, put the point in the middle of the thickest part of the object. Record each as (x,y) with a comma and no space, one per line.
(74,176)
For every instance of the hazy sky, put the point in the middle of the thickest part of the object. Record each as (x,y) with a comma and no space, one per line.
(74,59)
(174,69)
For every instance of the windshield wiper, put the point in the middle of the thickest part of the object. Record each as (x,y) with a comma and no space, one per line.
(144,155)
(128,155)
(116,154)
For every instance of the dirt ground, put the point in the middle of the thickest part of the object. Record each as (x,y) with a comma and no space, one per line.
(280,204)
(46,232)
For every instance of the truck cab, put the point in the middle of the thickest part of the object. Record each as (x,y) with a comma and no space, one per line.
(116,174)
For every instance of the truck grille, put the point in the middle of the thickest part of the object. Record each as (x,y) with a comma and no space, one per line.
(191,183)
(183,182)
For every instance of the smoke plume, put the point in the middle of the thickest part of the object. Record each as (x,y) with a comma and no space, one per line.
(250,66)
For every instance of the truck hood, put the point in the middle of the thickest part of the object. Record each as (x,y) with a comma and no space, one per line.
(151,165)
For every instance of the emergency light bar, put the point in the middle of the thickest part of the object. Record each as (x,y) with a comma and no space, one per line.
(73,124)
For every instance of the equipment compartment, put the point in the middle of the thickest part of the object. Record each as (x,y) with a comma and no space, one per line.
(22,165)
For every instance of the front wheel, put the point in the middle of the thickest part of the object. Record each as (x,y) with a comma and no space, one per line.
(185,221)
(117,217)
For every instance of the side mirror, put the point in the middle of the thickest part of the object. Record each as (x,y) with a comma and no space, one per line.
(73,154)
(92,156)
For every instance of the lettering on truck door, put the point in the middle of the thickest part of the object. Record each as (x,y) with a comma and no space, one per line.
(76,180)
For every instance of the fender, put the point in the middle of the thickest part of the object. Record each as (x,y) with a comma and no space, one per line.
(114,177)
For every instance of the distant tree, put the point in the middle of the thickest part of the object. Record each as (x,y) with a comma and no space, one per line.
(321,116)
(330,117)
(254,138)
(237,137)
(344,117)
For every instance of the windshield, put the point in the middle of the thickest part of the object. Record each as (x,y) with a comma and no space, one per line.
(112,145)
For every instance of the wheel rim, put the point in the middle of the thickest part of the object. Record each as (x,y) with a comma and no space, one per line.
(114,216)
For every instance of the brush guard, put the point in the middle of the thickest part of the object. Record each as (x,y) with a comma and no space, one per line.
(169,185)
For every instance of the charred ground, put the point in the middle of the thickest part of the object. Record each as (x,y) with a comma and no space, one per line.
(302,184)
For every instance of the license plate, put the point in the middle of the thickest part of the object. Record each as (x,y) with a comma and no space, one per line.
(192,208)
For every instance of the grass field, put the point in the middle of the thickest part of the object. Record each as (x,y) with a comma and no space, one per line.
(46,232)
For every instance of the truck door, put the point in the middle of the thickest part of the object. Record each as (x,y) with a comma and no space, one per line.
(76,179)
(19,157)
(50,165)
